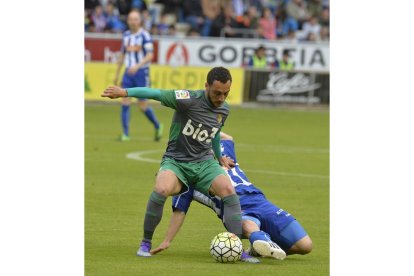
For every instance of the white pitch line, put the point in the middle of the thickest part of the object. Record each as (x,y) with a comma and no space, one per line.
(289,174)
(138,155)
(283,149)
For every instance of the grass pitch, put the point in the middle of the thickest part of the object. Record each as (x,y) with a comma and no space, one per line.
(285,153)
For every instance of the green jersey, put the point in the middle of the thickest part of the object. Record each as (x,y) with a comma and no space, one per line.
(195,124)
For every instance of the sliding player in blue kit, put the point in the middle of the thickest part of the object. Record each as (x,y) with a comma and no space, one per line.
(272,231)
(136,54)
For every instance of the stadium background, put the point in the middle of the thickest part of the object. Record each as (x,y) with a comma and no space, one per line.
(294,142)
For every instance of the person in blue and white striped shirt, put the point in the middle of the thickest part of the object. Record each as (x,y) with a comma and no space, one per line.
(136,55)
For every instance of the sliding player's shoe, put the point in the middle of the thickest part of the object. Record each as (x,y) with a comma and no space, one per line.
(269,249)
(248,259)
(144,249)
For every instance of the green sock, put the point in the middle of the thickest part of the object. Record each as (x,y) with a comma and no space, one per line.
(153,215)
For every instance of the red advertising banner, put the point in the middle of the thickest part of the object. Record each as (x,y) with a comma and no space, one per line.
(106,48)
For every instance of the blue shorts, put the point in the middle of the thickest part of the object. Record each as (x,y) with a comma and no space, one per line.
(279,224)
(139,79)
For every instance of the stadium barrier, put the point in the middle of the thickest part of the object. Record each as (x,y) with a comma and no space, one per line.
(100,75)
(184,63)
(209,52)
(274,86)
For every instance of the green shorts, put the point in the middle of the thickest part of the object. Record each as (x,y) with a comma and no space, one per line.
(199,175)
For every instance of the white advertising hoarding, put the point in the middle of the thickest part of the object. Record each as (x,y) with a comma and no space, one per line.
(236,52)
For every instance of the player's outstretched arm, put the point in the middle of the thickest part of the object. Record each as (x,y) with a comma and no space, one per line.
(177,219)
(114,92)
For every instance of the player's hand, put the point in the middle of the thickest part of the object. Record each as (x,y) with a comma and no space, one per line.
(114,92)
(163,246)
(132,70)
(227,162)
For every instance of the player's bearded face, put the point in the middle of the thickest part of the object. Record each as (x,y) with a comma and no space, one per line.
(218,92)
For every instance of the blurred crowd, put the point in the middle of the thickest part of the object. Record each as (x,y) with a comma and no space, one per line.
(288,20)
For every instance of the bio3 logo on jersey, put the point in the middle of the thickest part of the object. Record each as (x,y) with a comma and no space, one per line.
(197,133)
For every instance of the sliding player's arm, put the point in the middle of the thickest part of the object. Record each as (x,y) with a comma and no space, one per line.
(180,206)
(177,219)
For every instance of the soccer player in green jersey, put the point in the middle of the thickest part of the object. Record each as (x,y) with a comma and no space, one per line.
(193,143)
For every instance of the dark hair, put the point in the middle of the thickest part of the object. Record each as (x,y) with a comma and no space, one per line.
(220,74)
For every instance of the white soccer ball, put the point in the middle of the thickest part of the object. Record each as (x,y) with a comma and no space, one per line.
(226,247)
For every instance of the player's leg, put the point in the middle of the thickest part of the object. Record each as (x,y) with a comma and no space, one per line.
(125,109)
(125,117)
(222,187)
(260,241)
(297,237)
(210,178)
(143,80)
(149,113)
(167,183)
(284,230)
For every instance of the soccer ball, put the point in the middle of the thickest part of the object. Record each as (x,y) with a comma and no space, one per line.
(226,247)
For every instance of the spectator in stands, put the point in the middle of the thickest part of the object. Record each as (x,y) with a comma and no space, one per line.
(211,10)
(273,5)
(285,23)
(225,21)
(171,30)
(312,37)
(315,8)
(253,17)
(286,64)
(311,26)
(193,33)
(163,25)
(124,6)
(154,30)
(138,5)
(324,19)
(291,37)
(147,21)
(238,8)
(173,7)
(259,60)
(113,23)
(90,5)
(324,34)
(268,24)
(98,19)
(193,13)
(88,22)
(257,4)
(297,10)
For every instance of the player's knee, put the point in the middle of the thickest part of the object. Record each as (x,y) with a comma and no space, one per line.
(162,191)
(228,190)
(225,136)
(126,101)
(306,247)
(249,227)
(142,106)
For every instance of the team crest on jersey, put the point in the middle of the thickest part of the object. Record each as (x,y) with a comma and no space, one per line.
(219,118)
(182,94)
